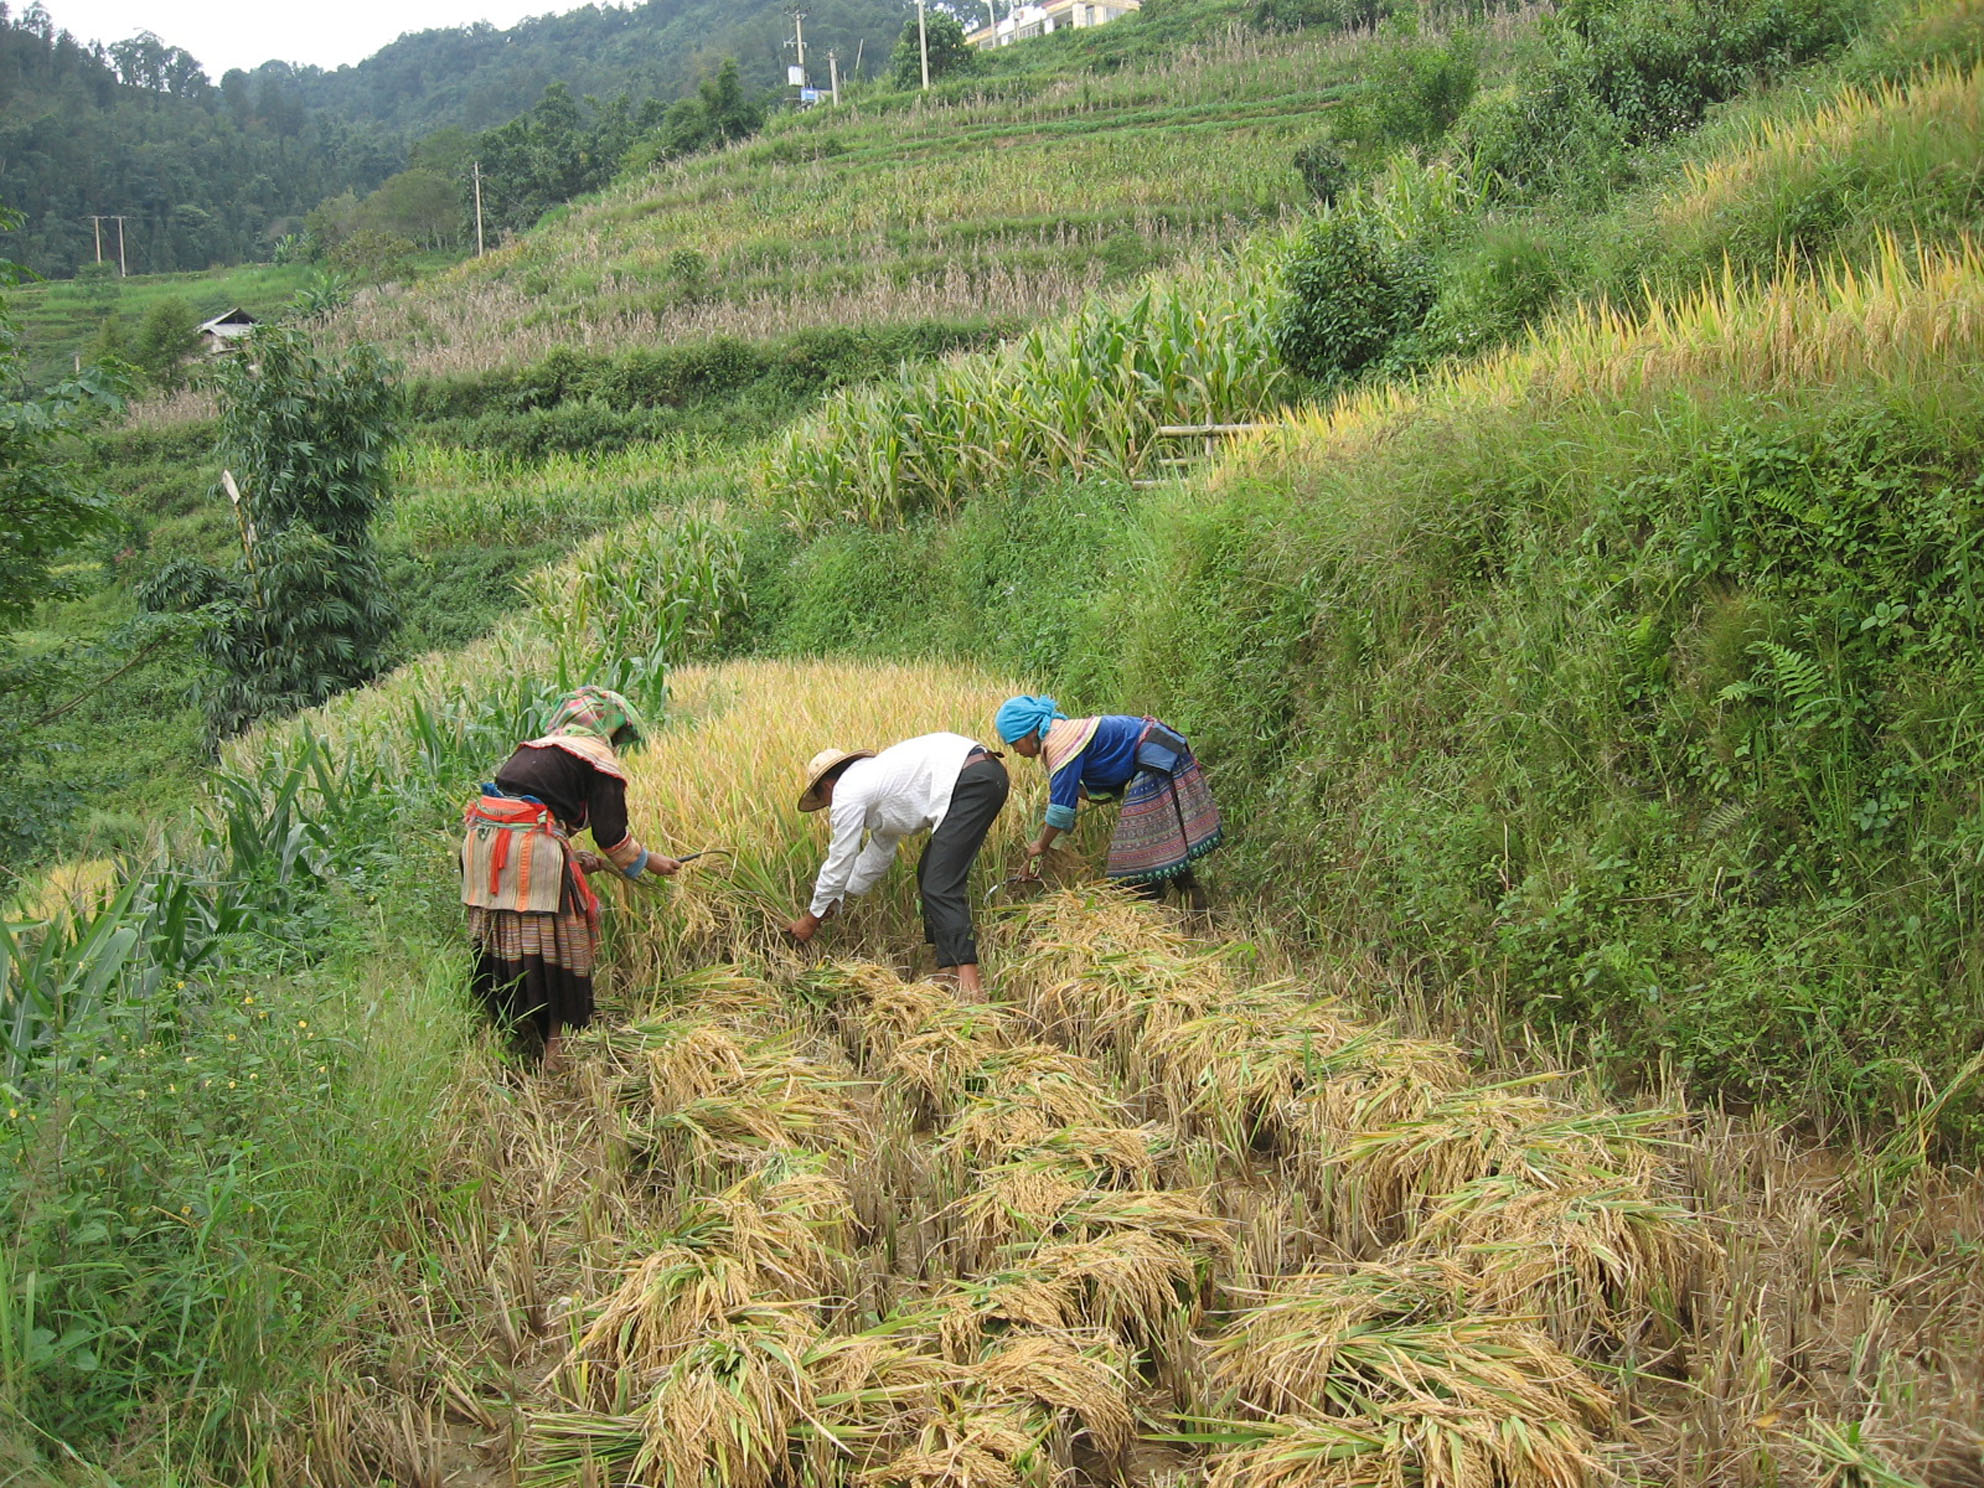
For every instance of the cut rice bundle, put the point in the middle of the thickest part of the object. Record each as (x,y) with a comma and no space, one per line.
(928,1074)
(1232,1074)
(1389,1180)
(1599,1263)
(1363,1341)
(982,1447)
(791,1104)
(695,1094)
(777,1235)
(723,1413)
(875,1391)
(1021,1203)
(1144,1289)
(1024,1113)
(1420,1444)
(717,1411)
(1008,1097)
(1083,1378)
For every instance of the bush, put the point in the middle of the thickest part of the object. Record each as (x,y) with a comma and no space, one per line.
(1350,291)
(1335,15)
(1491,294)
(1615,74)
(1412,88)
(1324,171)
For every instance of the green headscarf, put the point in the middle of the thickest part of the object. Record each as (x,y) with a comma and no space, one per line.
(598,713)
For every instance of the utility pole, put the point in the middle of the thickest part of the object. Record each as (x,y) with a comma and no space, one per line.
(991,23)
(833,72)
(96,226)
(122,271)
(477,165)
(923,45)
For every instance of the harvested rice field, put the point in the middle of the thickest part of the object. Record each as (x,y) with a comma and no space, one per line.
(1169,1208)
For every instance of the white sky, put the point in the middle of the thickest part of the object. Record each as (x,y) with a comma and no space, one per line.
(246,33)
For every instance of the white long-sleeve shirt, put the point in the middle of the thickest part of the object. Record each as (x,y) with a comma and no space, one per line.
(903,790)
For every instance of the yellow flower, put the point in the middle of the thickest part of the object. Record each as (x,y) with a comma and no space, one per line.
(13,1112)
(302,1022)
(249,1000)
(230,1084)
(230,1038)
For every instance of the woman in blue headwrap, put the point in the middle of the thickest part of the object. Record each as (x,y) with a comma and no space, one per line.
(1168,819)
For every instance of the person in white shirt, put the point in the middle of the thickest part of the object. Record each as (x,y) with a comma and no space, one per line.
(945,784)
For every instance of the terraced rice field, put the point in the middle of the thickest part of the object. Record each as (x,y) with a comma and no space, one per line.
(1165,1209)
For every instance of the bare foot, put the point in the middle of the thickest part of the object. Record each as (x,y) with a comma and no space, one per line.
(971,987)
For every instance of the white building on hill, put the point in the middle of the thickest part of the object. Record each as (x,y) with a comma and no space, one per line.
(1024,21)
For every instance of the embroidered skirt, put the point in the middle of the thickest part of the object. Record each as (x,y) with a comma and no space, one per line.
(535,966)
(1167,823)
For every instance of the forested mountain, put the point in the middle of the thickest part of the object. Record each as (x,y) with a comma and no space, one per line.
(201,174)
(207,173)
(474,77)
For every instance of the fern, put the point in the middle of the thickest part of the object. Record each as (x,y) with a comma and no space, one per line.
(1801,681)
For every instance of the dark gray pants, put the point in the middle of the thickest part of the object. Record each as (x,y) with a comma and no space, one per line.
(947,858)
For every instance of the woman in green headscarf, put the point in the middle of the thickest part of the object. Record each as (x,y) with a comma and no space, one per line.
(532,917)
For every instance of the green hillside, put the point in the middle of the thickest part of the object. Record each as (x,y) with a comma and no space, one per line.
(1001,198)
(1579,1083)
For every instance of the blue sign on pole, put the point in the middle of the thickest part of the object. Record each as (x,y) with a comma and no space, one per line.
(809,95)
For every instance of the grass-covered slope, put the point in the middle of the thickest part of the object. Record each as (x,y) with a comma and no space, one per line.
(1008,198)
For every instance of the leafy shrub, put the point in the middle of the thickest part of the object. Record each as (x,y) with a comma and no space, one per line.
(1335,15)
(1490,294)
(1324,170)
(1411,88)
(1615,74)
(1351,290)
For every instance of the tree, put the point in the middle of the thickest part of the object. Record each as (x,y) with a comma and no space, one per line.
(950,54)
(304,613)
(169,333)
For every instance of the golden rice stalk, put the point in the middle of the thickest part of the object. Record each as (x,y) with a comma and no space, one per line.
(668,1298)
(792,1227)
(1390,1178)
(1368,1083)
(875,1391)
(727,995)
(930,1073)
(1301,1452)
(1290,1072)
(723,1413)
(1100,970)
(1367,1341)
(1142,1287)
(694,1092)
(1012,1204)
(994,1128)
(773,1236)
(1597,1262)
(1421,1444)
(1083,1376)
(794,1104)
(976,1447)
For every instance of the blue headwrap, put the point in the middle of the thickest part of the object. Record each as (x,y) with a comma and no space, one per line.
(1023,715)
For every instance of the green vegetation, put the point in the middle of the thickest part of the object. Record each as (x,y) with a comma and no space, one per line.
(1584,651)
(302,614)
